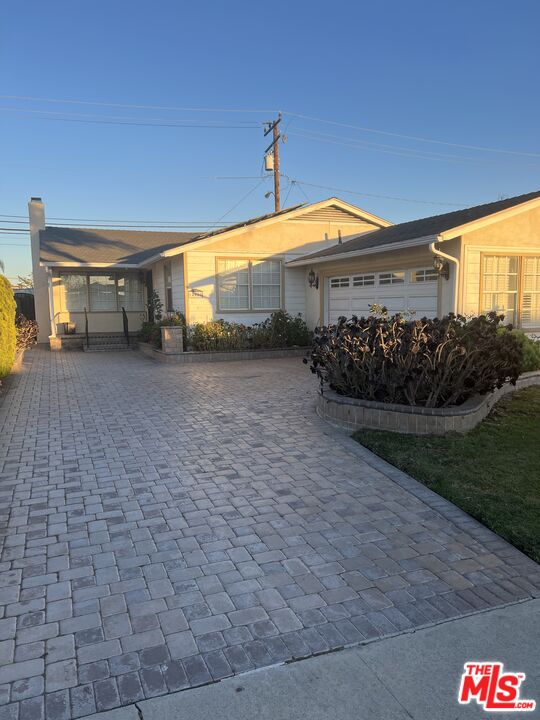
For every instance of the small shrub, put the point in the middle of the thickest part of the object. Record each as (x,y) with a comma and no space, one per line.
(217,335)
(27,331)
(431,363)
(530,349)
(280,330)
(150,332)
(154,307)
(8,335)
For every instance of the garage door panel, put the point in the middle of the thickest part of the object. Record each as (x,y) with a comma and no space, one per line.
(420,298)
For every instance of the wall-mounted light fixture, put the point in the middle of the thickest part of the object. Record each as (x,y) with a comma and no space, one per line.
(313,279)
(441,267)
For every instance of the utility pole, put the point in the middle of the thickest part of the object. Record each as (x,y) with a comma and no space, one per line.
(274,146)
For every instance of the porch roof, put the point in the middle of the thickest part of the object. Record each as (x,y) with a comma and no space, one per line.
(111,247)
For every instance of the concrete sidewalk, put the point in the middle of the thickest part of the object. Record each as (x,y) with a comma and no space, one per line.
(414,675)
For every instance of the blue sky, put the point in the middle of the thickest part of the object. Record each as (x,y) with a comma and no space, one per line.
(461,72)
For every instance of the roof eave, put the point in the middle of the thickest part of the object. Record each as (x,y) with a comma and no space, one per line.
(489,219)
(425,240)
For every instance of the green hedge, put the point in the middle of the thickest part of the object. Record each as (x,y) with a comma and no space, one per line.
(8,334)
(280,330)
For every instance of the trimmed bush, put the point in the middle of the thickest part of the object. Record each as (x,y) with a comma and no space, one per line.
(430,363)
(280,330)
(8,335)
(530,349)
(150,332)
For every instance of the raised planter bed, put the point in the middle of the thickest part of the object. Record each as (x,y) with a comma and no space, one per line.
(223,356)
(352,414)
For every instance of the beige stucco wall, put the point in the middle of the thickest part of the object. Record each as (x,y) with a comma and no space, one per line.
(285,241)
(517,235)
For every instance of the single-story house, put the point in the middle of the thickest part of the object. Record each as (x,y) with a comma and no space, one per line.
(320,260)
(239,273)
(470,262)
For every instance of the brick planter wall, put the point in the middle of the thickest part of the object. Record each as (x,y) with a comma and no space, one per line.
(172,339)
(352,414)
(192,357)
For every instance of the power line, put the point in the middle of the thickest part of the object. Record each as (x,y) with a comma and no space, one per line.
(412,137)
(51,115)
(388,149)
(244,197)
(140,106)
(133,106)
(373,195)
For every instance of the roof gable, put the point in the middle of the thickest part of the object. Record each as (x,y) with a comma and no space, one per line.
(388,237)
(137,248)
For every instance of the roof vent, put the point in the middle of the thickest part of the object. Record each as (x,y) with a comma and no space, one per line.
(35,199)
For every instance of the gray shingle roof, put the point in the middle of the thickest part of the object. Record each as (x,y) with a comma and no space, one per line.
(91,245)
(424,227)
(126,247)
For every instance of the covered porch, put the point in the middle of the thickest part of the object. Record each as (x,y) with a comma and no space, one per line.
(97,304)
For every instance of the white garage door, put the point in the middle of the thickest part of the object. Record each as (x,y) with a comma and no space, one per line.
(400,291)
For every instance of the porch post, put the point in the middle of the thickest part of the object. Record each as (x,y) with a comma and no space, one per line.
(51,302)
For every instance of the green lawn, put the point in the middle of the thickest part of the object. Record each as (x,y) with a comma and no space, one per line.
(492,472)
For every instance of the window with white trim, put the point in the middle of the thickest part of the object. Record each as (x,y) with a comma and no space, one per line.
(244,284)
(511,287)
(392,278)
(424,275)
(363,280)
(339,282)
(530,298)
(75,292)
(266,284)
(101,293)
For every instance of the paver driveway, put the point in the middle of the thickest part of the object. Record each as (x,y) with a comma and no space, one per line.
(166,526)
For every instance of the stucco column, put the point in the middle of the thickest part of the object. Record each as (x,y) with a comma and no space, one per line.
(36,213)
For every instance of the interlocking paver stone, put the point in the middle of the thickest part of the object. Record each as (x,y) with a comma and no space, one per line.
(169,525)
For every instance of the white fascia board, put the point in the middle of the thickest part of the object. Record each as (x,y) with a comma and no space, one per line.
(365,251)
(124,266)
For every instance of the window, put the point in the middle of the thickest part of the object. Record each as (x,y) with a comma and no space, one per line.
(75,292)
(363,280)
(339,282)
(130,292)
(167,276)
(424,275)
(248,284)
(391,278)
(102,293)
(500,286)
(266,284)
(511,286)
(530,299)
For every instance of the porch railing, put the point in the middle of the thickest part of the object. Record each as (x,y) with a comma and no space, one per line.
(126,325)
(87,336)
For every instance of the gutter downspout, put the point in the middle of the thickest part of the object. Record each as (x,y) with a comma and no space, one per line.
(452,259)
